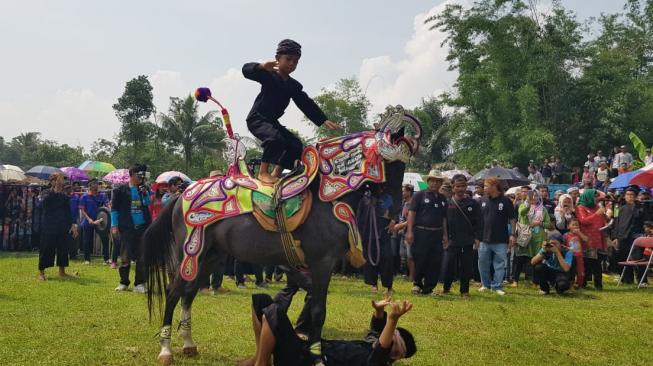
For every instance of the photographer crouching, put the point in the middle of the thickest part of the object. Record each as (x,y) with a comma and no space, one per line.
(552,264)
(129,219)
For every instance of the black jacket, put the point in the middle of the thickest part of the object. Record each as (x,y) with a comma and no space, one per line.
(121,202)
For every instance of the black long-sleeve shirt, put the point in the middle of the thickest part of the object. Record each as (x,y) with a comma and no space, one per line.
(56,212)
(464,228)
(276,93)
(359,353)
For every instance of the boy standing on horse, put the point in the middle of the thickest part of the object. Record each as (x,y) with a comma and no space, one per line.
(280,146)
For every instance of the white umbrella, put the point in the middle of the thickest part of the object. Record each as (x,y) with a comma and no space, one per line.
(12,167)
(11,174)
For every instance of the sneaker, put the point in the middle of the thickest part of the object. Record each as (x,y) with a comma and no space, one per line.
(114,265)
(122,287)
(416,290)
(140,289)
(482,289)
(541,292)
(87,263)
(500,292)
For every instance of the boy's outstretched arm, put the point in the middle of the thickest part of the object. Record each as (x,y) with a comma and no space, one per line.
(398,310)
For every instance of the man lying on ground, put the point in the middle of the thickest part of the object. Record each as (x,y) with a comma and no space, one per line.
(275,336)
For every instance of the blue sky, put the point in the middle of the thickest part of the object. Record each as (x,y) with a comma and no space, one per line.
(64,63)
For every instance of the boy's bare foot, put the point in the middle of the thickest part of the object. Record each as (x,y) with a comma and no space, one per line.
(267,178)
(248,362)
(41,277)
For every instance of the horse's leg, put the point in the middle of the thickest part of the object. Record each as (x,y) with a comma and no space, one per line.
(190,348)
(172,298)
(320,276)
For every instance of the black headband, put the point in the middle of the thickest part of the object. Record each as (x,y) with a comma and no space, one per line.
(289,47)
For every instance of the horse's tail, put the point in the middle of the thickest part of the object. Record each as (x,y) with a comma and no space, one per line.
(157,245)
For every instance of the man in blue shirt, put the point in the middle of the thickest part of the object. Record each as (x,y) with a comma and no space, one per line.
(129,219)
(552,264)
(88,209)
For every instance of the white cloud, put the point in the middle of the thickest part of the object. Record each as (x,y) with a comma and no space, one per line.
(422,72)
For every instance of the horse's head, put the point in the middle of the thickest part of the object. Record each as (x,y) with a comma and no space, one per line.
(397,138)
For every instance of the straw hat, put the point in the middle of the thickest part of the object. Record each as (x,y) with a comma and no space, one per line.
(435,174)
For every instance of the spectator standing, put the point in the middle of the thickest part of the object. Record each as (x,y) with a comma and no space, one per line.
(426,231)
(603,176)
(156,201)
(464,223)
(379,260)
(565,211)
(406,265)
(546,201)
(558,169)
(600,158)
(498,212)
(547,172)
(58,224)
(552,264)
(130,217)
(535,176)
(531,215)
(623,157)
(591,163)
(589,180)
(173,190)
(592,218)
(88,209)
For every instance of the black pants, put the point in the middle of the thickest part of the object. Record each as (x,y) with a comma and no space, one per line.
(131,250)
(273,270)
(384,267)
(593,270)
(240,268)
(89,239)
(54,242)
(622,255)
(459,260)
(518,266)
(427,255)
(280,146)
(545,275)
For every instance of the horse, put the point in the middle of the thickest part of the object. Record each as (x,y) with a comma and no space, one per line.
(324,240)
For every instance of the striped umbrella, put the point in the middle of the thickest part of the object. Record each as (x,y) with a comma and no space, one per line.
(118,176)
(166,176)
(96,167)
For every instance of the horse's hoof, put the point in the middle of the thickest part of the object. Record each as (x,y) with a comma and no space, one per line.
(190,351)
(165,360)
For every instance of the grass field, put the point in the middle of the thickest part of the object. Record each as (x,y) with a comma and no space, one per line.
(82,321)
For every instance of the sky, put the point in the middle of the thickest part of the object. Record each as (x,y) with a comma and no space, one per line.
(64,63)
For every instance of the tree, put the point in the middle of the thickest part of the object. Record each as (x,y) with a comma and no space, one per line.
(183,129)
(435,141)
(133,109)
(347,105)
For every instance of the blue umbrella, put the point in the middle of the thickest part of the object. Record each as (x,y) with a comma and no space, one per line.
(623,180)
(42,171)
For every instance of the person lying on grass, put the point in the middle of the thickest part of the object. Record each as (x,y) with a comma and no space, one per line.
(275,336)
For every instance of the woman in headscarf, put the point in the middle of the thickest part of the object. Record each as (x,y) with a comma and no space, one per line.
(592,218)
(532,213)
(564,212)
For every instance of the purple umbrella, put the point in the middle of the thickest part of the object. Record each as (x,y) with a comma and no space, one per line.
(73,173)
(118,176)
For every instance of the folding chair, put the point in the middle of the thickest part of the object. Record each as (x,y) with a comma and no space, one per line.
(643,242)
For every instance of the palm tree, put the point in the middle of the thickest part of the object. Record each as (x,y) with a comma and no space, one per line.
(186,131)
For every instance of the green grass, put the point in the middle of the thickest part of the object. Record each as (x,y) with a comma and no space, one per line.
(82,321)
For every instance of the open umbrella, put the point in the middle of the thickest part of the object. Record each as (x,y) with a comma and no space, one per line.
(166,176)
(118,176)
(42,171)
(623,180)
(73,173)
(644,179)
(12,167)
(10,174)
(415,180)
(509,177)
(96,167)
(449,174)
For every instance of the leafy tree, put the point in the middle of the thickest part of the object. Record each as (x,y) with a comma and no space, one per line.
(133,109)
(184,130)
(345,104)
(435,142)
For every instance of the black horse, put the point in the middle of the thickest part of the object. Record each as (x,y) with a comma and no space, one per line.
(324,242)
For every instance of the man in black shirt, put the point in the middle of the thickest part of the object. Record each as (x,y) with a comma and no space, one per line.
(426,232)
(464,223)
(629,225)
(280,146)
(275,336)
(546,201)
(498,212)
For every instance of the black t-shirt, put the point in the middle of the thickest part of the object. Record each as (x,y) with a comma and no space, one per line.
(430,208)
(497,213)
(463,228)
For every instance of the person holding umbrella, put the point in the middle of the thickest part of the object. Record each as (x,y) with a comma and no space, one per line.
(58,223)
